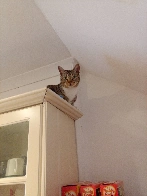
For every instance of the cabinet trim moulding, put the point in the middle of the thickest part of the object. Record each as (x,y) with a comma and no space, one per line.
(22,100)
(38,97)
(63,105)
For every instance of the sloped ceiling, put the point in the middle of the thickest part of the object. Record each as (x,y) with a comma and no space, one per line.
(108,38)
(27,40)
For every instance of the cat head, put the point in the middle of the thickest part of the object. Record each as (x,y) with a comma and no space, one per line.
(70,78)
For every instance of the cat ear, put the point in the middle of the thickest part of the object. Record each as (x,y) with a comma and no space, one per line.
(76,68)
(61,70)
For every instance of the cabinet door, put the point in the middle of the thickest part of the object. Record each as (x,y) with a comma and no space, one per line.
(20,149)
(61,156)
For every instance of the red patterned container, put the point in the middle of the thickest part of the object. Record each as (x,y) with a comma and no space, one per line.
(112,188)
(90,189)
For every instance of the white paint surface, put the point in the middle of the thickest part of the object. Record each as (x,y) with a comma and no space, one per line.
(109,38)
(105,88)
(27,40)
(112,134)
(34,79)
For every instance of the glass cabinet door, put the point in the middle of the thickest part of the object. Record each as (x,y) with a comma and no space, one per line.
(12,190)
(13,149)
(20,147)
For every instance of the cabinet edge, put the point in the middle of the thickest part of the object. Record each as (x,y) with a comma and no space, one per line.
(63,105)
(23,100)
(38,97)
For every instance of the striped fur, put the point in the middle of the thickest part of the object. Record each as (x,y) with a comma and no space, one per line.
(69,81)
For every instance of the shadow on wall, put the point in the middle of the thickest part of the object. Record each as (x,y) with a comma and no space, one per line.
(130,72)
(112,136)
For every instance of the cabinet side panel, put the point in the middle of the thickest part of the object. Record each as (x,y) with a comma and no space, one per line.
(61,150)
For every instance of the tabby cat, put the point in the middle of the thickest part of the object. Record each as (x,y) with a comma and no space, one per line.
(69,81)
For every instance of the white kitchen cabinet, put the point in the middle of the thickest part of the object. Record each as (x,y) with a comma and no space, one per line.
(39,127)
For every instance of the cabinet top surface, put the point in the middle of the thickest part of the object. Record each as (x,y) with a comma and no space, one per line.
(38,97)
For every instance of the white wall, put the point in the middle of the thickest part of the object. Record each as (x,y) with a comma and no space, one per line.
(34,79)
(112,134)
(108,37)
(27,40)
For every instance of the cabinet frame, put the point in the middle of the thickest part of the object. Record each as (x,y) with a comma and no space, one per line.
(34,116)
(45,100)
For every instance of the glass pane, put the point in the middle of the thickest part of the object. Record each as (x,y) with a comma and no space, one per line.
(13,149)
(12,190)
